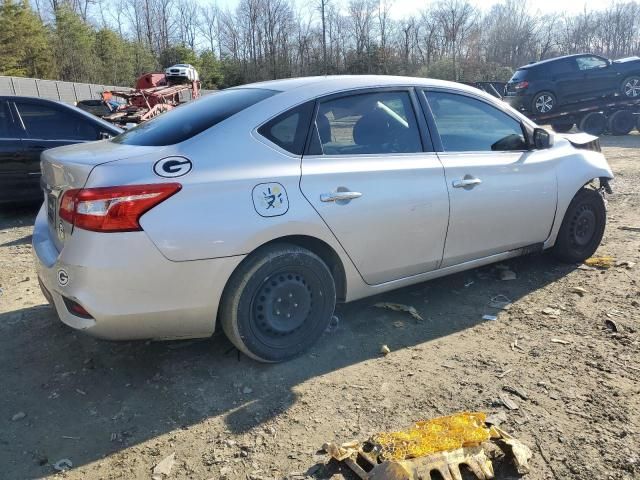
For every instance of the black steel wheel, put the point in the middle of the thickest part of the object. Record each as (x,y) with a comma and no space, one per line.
(278,303)
(593,123)
(631,87)
(582,227)
(543,102)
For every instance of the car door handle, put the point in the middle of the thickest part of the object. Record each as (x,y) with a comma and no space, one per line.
(337,196)
(466,182)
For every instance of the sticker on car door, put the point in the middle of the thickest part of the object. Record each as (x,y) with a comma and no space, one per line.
(270,199)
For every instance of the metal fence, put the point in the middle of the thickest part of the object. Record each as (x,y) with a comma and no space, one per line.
(69,92)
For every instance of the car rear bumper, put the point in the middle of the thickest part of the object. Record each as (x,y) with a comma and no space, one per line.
(130,290)
(519,102)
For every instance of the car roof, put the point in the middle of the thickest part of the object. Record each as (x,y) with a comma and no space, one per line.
(555,59)
(58,103)
(331,83)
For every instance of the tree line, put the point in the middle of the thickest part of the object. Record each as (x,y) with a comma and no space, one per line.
(114,41)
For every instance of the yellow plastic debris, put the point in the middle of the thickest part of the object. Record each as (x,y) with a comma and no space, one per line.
(464,429)
(600,262)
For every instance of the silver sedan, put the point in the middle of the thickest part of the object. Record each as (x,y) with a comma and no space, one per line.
(262,206)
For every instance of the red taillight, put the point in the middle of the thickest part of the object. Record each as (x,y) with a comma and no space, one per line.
(521,85)
(113,209)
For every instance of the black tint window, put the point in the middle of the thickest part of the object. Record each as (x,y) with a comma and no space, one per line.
(289,130)
(564,66)
(370,123)
(469,125)
(188,120)
(520,75)
(49,123)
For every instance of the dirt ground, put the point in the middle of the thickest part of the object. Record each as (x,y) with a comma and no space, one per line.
(116,409)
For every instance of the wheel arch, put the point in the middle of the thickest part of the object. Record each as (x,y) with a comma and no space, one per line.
(322,249)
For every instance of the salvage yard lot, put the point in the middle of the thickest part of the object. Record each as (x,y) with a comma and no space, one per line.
(116,409)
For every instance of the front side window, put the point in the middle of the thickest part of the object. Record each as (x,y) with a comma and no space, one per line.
(469,125)
(5,122)
(589,63)
(50,123)
(195,117)
(367,123)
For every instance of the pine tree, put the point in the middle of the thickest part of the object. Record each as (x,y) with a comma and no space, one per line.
(25,42)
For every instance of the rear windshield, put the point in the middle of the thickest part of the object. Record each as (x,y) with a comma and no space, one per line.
(189,120)
(520,75)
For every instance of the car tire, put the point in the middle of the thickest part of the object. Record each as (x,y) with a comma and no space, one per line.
(630,87)
(582,227)
(562,127)
(278,303)
(621,122)
(543,103)
(593,123)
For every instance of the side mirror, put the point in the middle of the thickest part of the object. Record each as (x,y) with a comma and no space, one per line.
(542,139)
(104,136)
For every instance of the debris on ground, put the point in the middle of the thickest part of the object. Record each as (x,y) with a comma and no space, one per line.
(385,350)
(63,465)
(439,445)
(626,263)
(629,228)
(163,468)
(560,341)
(516,391)
(579,290)
(507,402)
(508,275)
(399,307)
(600,262)
(333,324)
(489,317)
(500,302)
(611,325)
(18,416)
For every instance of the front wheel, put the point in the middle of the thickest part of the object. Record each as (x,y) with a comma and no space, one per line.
(543,102)
(582,227)
(278,302)
(631,87)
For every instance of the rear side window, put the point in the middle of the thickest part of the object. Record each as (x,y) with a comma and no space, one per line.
(5,122)
(50,123)
(469,125)
(563,66)
(193,118)
(289,130)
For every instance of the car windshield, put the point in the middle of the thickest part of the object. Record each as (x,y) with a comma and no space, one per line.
(193,118)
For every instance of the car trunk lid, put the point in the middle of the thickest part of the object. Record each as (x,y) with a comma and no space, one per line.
(69,167)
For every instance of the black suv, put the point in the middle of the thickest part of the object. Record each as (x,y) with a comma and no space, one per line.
(541,87)
(30,125)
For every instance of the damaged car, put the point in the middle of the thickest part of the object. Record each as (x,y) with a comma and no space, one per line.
(542,87)
(260,207)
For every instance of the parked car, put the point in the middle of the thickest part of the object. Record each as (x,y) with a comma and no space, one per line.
(181,73)
(99,108)
(27,127)
(543,86)
(262,205)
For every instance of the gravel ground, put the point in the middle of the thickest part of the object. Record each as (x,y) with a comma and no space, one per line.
(117,409)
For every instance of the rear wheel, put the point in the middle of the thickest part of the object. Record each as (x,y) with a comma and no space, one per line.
(543,102)
(278,303)
(621,122)
(562,127)
(593,123)
(631,87)
(582,227)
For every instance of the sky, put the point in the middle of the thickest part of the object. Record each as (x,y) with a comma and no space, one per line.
(404,8)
